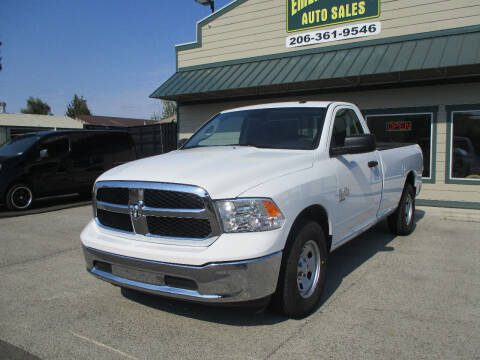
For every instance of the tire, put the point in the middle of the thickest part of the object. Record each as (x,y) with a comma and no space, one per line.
(303,271)
(19,197)
(402,221)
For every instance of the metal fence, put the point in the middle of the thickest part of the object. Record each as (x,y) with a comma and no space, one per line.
(149,140)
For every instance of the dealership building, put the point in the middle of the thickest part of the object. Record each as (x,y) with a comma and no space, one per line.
(412,66)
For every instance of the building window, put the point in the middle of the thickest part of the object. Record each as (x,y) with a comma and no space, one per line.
(463,144)
(411,125)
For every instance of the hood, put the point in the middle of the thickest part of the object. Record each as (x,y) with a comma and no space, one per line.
(4,160)
(224,172)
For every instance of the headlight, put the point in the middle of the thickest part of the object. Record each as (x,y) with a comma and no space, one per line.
(245,215)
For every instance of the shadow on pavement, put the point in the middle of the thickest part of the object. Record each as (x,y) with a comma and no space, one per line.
(347,258)
(236,316)
(47,204)
(9,351)
(342,262)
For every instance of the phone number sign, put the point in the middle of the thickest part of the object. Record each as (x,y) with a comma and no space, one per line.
(310,14)
(340,33)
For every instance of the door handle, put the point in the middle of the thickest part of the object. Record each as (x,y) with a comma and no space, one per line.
(372,164)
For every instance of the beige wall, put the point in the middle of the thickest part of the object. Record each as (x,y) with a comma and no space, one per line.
(192,116)
(258,27)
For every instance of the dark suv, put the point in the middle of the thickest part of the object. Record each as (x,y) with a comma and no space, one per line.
(58,162)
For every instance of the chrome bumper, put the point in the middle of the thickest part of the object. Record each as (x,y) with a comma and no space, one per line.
(215,282)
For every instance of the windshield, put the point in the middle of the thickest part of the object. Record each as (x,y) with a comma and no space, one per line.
(18,145)
(276,128)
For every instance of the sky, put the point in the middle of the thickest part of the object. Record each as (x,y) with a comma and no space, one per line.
(114,53)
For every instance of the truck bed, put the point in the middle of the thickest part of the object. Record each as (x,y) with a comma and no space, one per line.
(389,145)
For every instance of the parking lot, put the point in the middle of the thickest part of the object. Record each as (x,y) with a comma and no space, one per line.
(386,298)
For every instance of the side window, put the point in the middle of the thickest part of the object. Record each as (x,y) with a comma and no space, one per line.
(120,148)
(56,146)
(87,150)
(405,127)
(346,124)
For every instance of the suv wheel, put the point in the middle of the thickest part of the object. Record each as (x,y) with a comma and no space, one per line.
(19,197)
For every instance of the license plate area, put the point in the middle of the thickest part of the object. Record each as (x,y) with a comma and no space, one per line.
(137,275)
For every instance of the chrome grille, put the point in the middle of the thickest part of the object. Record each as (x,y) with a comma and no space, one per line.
(160,211)
(115,220)
(178,227)
(172,199)
(113,195)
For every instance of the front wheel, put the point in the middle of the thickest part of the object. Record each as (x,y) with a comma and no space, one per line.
(303,273)
(402,221)
(19,197)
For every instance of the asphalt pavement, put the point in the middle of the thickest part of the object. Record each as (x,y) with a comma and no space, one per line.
(414,297)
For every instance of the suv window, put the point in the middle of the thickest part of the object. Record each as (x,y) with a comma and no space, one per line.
(346,124)
(56,146)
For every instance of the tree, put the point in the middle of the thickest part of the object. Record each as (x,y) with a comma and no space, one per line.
(36,106)
(169,108)
(78,106)
(156,116)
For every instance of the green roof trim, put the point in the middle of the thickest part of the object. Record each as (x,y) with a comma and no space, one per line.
(332,66)
(360,44)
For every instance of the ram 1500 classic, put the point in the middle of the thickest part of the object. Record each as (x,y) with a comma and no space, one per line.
(250,207)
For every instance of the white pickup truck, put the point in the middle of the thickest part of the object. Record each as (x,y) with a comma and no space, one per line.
(250,207)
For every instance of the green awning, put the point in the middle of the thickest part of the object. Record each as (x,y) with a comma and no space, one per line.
(438,57)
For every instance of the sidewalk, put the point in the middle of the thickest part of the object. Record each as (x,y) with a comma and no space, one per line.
(452,214)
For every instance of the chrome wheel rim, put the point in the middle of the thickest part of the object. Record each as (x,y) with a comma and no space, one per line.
(21,197)
(308,269)
(408,209)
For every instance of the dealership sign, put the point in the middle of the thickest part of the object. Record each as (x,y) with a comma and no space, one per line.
(309,14)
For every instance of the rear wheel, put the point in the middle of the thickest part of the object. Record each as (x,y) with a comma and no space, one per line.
(303,273)
(401,222)
(19,197)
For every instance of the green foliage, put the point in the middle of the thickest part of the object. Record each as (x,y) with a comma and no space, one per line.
(78,106)
(169,108)
(156,116)
(36,106)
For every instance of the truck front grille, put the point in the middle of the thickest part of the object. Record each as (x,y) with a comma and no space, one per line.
(172,199)
(179,227)
(117,196)
(157,210)
(115,220)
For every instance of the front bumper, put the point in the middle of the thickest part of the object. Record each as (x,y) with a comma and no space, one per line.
(222,282)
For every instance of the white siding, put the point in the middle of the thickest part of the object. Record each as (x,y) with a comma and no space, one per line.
(258,27)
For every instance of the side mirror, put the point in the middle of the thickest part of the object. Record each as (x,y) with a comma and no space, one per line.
(355,144)
(43,154)
(181,142)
